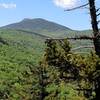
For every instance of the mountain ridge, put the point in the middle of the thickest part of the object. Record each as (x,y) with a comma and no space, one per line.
(36,24)
(44,27)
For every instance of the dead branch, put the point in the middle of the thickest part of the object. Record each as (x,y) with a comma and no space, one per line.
(97,35)
(80,47)
(97,9)
(98,14)
(73,38)
(77,7)
(81,53)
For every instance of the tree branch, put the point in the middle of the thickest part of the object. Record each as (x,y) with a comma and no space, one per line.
(77,7)
(97,9)
(98,14)
(80,47)
(73,38)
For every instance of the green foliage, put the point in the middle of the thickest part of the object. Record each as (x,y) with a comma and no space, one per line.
(23,52)
(61,75)
(82,70)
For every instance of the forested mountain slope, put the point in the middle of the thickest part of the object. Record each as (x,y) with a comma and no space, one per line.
(20,56)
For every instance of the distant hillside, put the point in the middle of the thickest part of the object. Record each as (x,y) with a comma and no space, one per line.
(40,26)
(45,28)
(37,24)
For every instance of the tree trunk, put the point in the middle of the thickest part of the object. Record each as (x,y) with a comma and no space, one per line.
(41,83)
(97,37)
(95,26)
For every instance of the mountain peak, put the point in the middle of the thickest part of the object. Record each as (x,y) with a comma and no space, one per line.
(35,19)
(26,19)
(37,24)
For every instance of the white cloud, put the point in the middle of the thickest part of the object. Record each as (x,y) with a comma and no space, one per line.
(7,5)
(65,3)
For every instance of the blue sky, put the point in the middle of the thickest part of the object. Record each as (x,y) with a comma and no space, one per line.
(16,10)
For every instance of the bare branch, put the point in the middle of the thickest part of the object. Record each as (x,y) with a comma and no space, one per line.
(97,9)
(98,14)
(80,47)
(81,53)
(77,7)
(73,38)
(98,34)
